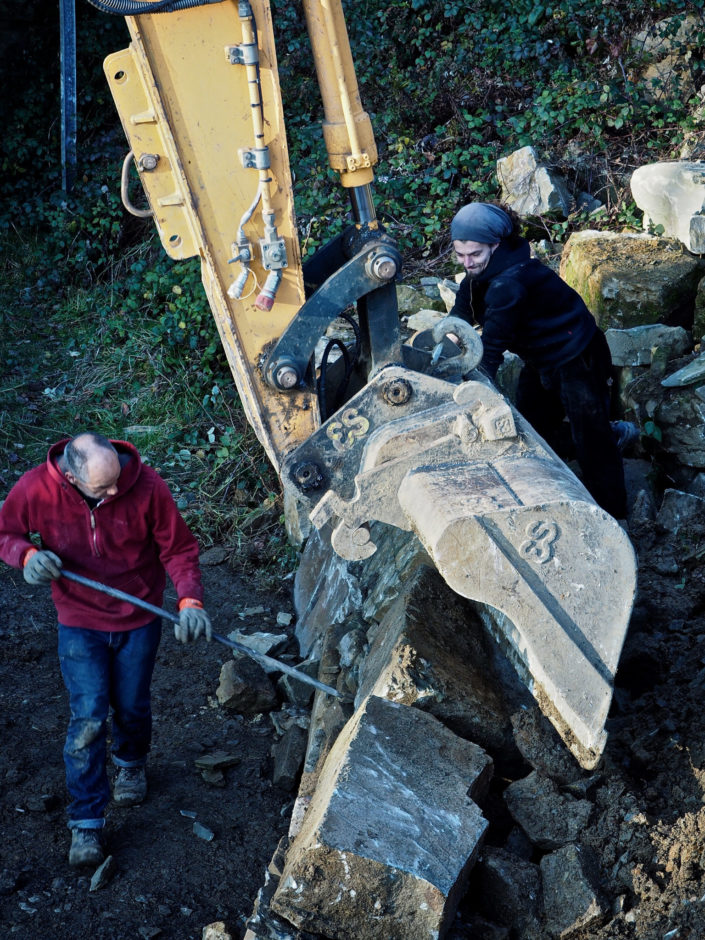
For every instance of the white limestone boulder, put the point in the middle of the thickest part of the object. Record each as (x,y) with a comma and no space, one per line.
(672,195)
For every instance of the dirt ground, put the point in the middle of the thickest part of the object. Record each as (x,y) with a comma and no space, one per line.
(169,882)
(646,831)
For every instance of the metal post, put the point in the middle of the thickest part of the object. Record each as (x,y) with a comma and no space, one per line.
(68,93)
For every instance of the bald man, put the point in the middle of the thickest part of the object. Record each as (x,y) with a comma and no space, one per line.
(94,507)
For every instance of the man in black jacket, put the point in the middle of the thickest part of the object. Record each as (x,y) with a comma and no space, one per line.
(525,307)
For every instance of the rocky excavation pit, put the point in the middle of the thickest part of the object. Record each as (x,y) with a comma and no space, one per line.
(436,800)
(612,853)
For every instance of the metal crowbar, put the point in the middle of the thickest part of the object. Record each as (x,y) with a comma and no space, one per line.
(260,658)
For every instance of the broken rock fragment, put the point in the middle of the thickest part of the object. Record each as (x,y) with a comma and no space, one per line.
(571,901)
(288,753)
(548,818)
(245,687)
(391,831)
(510,887)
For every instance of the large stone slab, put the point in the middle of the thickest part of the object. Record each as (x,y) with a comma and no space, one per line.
(432,651)
(325,593)
(632,279)
(635,347)
(387,842)
(672,195)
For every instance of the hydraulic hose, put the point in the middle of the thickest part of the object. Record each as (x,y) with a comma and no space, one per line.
(137,8)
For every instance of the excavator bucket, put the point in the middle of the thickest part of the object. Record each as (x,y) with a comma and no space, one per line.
(504,520)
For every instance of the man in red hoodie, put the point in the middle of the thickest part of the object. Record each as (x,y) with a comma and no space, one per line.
(100,511)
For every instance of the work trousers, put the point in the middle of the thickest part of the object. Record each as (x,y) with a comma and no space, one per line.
(104,671)
(580,391)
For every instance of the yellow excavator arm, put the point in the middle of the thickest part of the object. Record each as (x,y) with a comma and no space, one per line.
(199,98)
(408,444)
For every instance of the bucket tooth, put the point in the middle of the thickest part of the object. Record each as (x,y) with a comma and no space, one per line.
(557,573)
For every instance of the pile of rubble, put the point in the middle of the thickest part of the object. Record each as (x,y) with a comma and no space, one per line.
(436,741)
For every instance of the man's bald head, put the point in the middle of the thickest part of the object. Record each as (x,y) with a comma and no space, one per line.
(92,465)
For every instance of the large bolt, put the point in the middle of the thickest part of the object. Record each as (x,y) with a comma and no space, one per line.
(383,267)
(148,161)
(397,391)
(286,377)
(308,476)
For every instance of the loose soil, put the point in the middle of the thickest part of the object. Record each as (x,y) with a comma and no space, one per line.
(169,882)
(647,829)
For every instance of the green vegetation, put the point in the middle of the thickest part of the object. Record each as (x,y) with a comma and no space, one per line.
(99,329)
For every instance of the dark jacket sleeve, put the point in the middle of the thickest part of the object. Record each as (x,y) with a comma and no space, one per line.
(178,548)
(504,302)
(462,307)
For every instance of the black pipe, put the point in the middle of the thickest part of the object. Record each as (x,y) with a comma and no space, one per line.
(137,8)
(261,658)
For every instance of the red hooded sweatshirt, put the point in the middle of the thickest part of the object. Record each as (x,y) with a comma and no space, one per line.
(125,542)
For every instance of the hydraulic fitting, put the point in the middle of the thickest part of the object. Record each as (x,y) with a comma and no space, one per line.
(285,375)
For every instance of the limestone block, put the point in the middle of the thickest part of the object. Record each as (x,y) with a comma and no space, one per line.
(510,887)
(429,285)
(571,902)
(294,690)
(672,194)
(431,651)
(325,593)
(634,347)
(530,188)
(387,842)
(216,931)
(265,643)
(697,487)
(399,554)
(630,280)
(548,818)
(351,647)
(670,76)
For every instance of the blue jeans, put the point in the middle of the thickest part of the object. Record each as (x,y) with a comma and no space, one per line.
(103,671)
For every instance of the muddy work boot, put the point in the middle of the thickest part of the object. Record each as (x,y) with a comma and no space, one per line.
(86,848)
(130,786)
